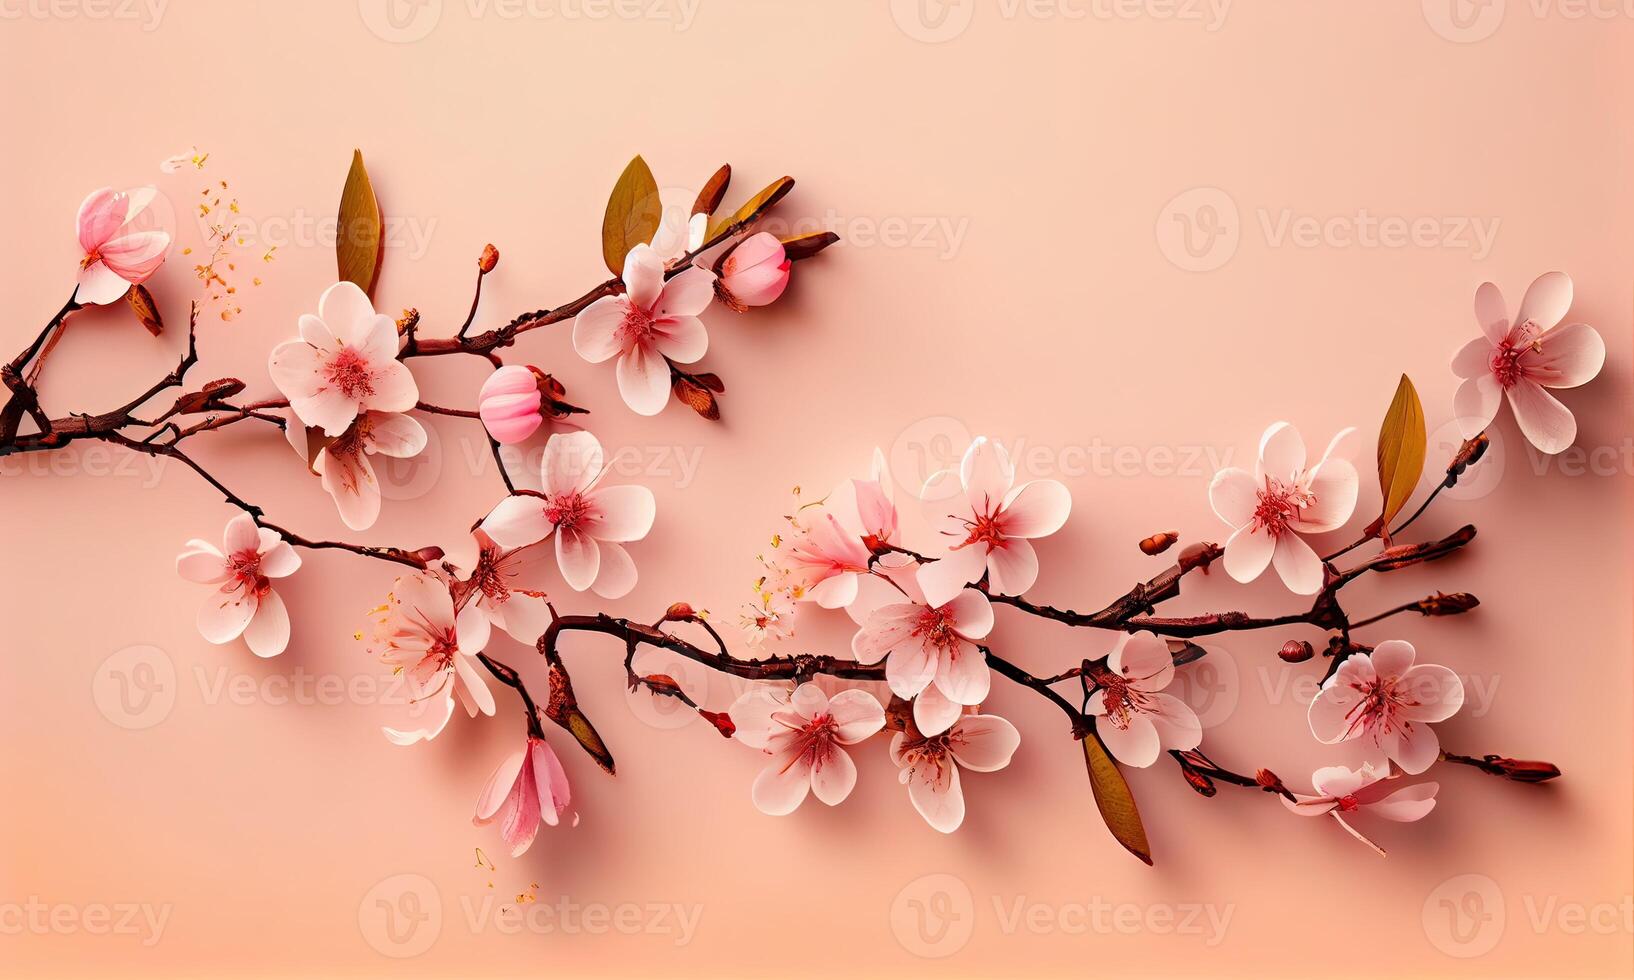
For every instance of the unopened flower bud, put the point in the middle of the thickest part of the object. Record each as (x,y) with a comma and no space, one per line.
(1267,779)
(754,273)
(1198,555)
(1157,544)
(1296,651)
(489,259)
(509,404)
(1444,604)
(721,720)
(662,684)
(1468,455)
(679,612)
(1525,770)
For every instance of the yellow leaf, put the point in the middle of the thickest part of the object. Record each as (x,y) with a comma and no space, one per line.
(805,246)
(1402,447)
(359,238)
(709,199)
(633,214)
(1116,803)
(752,208)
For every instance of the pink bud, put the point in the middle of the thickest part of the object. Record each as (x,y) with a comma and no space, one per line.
(509,404)
(755,274)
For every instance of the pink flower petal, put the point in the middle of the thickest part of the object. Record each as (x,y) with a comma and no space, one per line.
(518,521)
(1391,659)
(224,615)
(1433,693)
(962,674)
(986,474)
(682,339)
(833,776)
(1408,804)
(1176,723)
(1491,314)
(99,286)
(1546,300)
(972,614)
(398,436)
(1473,359)
(910,666)
(643,380)
(1012,567)
(942,580)
(350,480)
(1234,494)
(1476,404)
(1546,423)
(1565,357)
(687,294)
(622,513)
(200,562)
(596,329)
(1411,745)
(267,632)
(935,793)
(393,387)
(500,784)
(984,743)
(579,558)
(643,276)
(857,715)
(1282,453)
(1144,660)
(1339,781)
(934,712)
(1247,553)
(887,628)
(1036,509)
(471,629)
(835,591)
(280,560)
(1299,566)
(782,786)
(616,576)
(1336,485)
(471,685)
(137,256)
(100,215)
(572,462)
(345,309)
(1135,743)
(752,713)
(551,780)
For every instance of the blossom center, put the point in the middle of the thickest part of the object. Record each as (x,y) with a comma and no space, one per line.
(245,569)
(636,330)
(1349,804)
(1506,360)
(936,628)
(1381,699)
(349,371)
(984,529)
(1122,701)
(488,580)
(1278,504)
(814,742)
(928,758)
(567,510)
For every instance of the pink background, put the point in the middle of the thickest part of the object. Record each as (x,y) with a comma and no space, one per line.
(1046,305)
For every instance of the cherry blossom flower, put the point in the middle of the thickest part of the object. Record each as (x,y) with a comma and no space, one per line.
(679,230)
(418,633)
(754,273)
(828,560)
(1519,360)
(503,585)
(1135,718)
(529,786)
(931,653)
(864,507)
(117,256)
(980,743)
(989,528)
(1341,791)
(1270,508)
(509,404)
(344,364)
(804,733)
(244,604)
(1388,702)
(769,617)
(653,323)
(343,463)
(592,522)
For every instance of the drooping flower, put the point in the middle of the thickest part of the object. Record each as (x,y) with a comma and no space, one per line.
(1135,718)
(1342,792)
(529,786)
(1518,360)
(503,585)
(1270,508)
(755,273)
(117,256)
(931,653)
(418,633)
(828,559)
(509,404)
(1388,702)
(864,507)
(989,528)
(343,463)
(652,323)
(980,743)
(592,522)
(804,733)
(244,603)
(345,363)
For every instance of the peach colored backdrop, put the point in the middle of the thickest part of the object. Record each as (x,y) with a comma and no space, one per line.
(1124,235)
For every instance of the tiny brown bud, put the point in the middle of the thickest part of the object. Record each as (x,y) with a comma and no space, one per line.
(408,321)
(662,684)
(679,612)
(1199,555)
(147,311)
(1444,604)
(1468,455)
(696,397)
(1267,779)
(721,720)
(1296,651)
(1157,544)
(489,259)
(1525,770)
